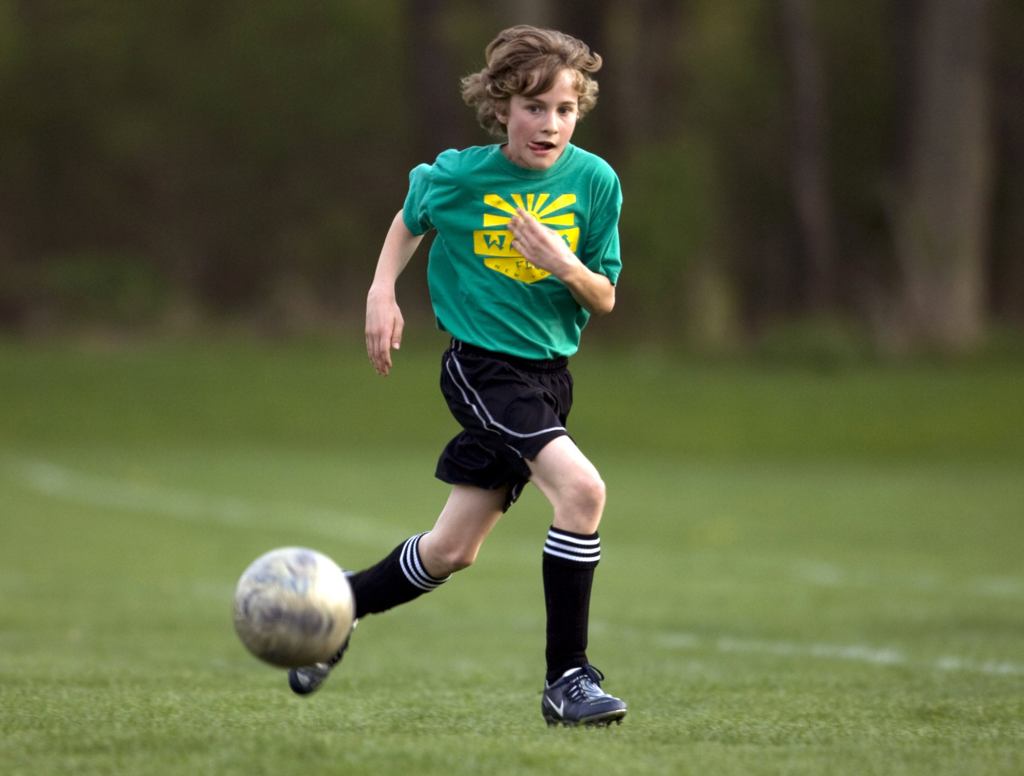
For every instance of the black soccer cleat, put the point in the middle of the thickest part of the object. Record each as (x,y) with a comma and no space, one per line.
(577,699)
(307,679)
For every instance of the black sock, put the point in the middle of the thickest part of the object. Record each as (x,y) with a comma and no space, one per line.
(568,569)
(397,579)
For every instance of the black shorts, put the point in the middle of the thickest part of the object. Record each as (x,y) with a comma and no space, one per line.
(509,409)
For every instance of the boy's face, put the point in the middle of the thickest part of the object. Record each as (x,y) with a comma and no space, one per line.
(540,127)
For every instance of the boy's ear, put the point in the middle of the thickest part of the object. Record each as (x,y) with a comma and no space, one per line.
(501,112)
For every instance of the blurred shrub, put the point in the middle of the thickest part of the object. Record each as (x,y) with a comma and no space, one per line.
(96,288)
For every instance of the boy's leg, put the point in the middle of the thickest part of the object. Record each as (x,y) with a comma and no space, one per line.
(465,522)
(571,483)
(572,691)
(572,550)
(416,566)
(423,562)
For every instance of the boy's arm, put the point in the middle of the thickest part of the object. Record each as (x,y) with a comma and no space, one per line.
(545,249)
(384,321)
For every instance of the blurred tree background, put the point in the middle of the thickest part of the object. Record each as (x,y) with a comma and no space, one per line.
(847,172)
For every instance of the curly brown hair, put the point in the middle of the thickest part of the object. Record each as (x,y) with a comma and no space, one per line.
(526,60)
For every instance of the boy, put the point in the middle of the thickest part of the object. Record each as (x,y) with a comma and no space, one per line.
(526,250)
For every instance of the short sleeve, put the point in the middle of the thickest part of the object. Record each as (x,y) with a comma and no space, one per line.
(416,211)
(601,251)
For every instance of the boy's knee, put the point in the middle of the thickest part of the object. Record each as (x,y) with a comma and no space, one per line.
(581,504)
(590,494)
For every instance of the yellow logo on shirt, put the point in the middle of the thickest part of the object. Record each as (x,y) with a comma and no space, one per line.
(495,244)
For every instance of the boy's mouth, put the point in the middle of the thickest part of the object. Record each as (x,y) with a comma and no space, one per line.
(541,145)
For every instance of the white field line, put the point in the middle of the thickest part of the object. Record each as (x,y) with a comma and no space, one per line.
(59,482)
(830,575)
(857,653)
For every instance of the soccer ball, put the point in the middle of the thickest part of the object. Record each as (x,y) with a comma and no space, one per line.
(293,607)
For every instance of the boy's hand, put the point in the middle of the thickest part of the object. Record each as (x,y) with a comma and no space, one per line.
(384,324)
(545,249)
(542,246)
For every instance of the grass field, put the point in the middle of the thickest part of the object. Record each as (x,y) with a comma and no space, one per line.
(804,572)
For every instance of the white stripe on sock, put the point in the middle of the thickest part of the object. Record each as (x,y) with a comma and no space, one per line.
(574,548)
(554,533)
(413,569)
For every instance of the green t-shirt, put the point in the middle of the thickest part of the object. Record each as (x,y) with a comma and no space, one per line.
(485,293)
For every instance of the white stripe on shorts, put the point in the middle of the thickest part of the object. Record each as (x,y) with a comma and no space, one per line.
(480,409)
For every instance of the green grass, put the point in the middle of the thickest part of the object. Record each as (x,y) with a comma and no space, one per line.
(803,572)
